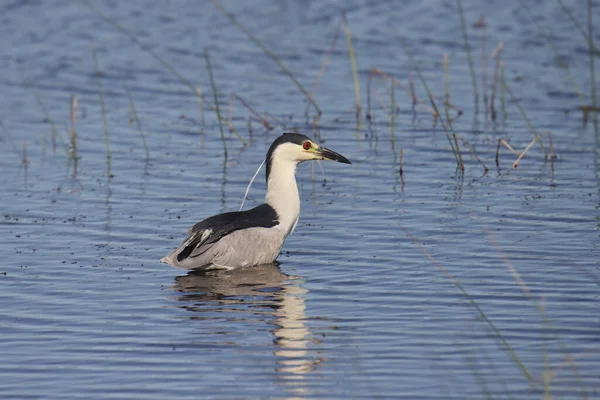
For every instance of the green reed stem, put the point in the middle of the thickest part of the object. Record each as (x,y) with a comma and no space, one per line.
(216,98)
(524,114)
(352,57)
(460,160)
(138,123)
(103,107)
(592,73)
(267,52)
(393,115)
(74,103)
(468,50)
(447,99)
(503,92)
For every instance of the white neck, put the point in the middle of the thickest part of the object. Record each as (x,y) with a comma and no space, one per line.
(282,193)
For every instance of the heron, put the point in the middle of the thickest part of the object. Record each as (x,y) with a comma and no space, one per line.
(255,236)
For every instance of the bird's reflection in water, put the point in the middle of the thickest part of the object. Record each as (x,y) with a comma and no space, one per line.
(269,295)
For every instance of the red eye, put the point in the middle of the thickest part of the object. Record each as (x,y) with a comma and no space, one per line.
(306,145)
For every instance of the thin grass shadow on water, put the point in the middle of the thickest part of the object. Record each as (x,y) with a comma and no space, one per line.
(549,373)
(472,301)
(262,295)
(539,305)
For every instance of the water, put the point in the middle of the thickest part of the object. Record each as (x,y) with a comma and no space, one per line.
(356,309)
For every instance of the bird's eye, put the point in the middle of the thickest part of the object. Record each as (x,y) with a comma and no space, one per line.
(306,145)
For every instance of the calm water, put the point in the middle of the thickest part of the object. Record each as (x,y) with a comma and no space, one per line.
(356,308)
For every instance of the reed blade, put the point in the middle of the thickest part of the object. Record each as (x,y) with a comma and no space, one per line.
(216,99)
(268,52)
(468,50)
(104,118)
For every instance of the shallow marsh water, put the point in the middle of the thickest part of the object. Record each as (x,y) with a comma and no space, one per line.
(356,309)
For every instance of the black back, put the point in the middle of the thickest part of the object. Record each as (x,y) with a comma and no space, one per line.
(223,224)
(296,138)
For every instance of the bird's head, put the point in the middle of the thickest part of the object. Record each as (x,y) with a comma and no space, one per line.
(296,148)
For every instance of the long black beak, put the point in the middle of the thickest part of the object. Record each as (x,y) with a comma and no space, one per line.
(333,156)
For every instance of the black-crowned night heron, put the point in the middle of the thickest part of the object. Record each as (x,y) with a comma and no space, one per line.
(254,237)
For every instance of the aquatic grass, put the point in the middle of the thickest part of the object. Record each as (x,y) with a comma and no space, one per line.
(274,118)
(148,50)
(216,99)
(482,25)
(522,154)
(468,146)
(503,92)
(460,160)
(264,121)
(392,117)
(47,117)
(446,63)
(589,39)
(43,144)
(468,51)
(382,103)
(503,142)
(250,133)
(352,57)
(201,107)
(324,65)
(431,99)
(547,371)
(268,52)
(562,64)
(26,160)
(230,113)
(549,133)
(376,72)
(473,364)
(135,118)
(527,120)
(591,50)
(351,110)
(473,303)
(496,57)
(413,95)
(103,108)
(73,134)
(539,306)
(401,170)
(315,127)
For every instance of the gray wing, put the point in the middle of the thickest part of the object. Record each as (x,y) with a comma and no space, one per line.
(204,234)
